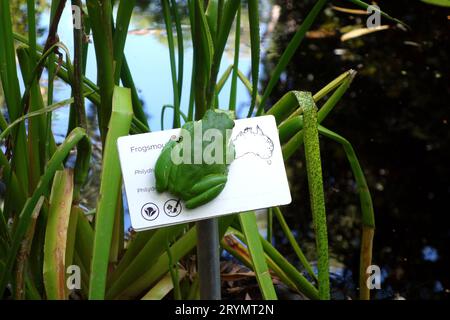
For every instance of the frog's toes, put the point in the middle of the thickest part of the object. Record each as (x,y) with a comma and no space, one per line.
(206,190)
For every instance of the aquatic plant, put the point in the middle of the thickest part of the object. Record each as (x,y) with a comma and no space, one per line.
(44,230)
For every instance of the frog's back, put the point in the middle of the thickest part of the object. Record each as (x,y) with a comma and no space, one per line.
(183,176)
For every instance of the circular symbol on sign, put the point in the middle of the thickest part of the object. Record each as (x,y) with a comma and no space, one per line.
(172,207)
(150,211)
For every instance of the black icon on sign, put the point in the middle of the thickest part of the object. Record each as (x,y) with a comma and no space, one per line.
(172,207)
(150,211)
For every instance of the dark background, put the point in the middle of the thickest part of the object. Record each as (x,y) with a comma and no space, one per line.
(396,115)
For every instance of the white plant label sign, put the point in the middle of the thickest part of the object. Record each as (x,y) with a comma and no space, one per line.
(256,178)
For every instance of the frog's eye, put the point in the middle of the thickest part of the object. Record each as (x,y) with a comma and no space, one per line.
(180,139)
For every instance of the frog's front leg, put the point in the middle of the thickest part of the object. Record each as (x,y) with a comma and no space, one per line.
(163,167)
(206,189)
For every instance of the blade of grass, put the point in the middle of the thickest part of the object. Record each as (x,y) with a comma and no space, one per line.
(298,251)
(229,12)
(8,71)
(315,182)
(384,14)
(173,68)
(269,222)
(84,275)
(179,249)
(31,23)
(11,89)
(237,41)
(56,235)
(367,213)
(163,287)
(36,113)
(223,79)
(72,233)
(248,85)
(83,247)
(180,46)
(24,252)
(78,136)
(120,122)
(128,82)
(302,284)
(253,14)
(133,250)
(203,52)
(174,273)
(124,13)
(163,112)
(100,13)
(78,113)
(160,267)
(211,15)
(117,240)
(50,76)
(56,9)
(287,128)
(342,83)
(250,230)
(31,291)
(36,126)
(36,257)
(193,93)
(194,290)
(150,252)
(240,252)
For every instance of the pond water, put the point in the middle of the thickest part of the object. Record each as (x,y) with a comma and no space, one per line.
(395,115)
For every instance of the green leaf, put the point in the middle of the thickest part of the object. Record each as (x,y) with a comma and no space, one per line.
(364,5)
(255,46)
(316,193)
(163,287)
(77,137)
(367,213)
(442,3)
(250,230)
(56,235)
(124,13)
(237,41)
(100,13)
(119,125)
(288,233)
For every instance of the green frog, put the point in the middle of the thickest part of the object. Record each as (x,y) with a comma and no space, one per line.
(197,178)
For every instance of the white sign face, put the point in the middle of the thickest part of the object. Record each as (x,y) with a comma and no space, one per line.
(256,178)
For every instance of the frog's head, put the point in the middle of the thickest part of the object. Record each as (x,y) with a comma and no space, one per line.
(220,119)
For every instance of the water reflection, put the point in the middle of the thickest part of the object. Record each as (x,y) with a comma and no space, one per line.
(396,115)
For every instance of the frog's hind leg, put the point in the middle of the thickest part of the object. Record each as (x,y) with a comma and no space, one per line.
(206,190)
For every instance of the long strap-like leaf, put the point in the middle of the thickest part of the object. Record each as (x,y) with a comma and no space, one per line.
(119,125)
(315,182)
(77,137)
(250,230)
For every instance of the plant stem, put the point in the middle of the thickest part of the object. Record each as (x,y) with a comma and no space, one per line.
(78,35)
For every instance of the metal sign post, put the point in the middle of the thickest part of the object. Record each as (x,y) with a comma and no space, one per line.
(208,259)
